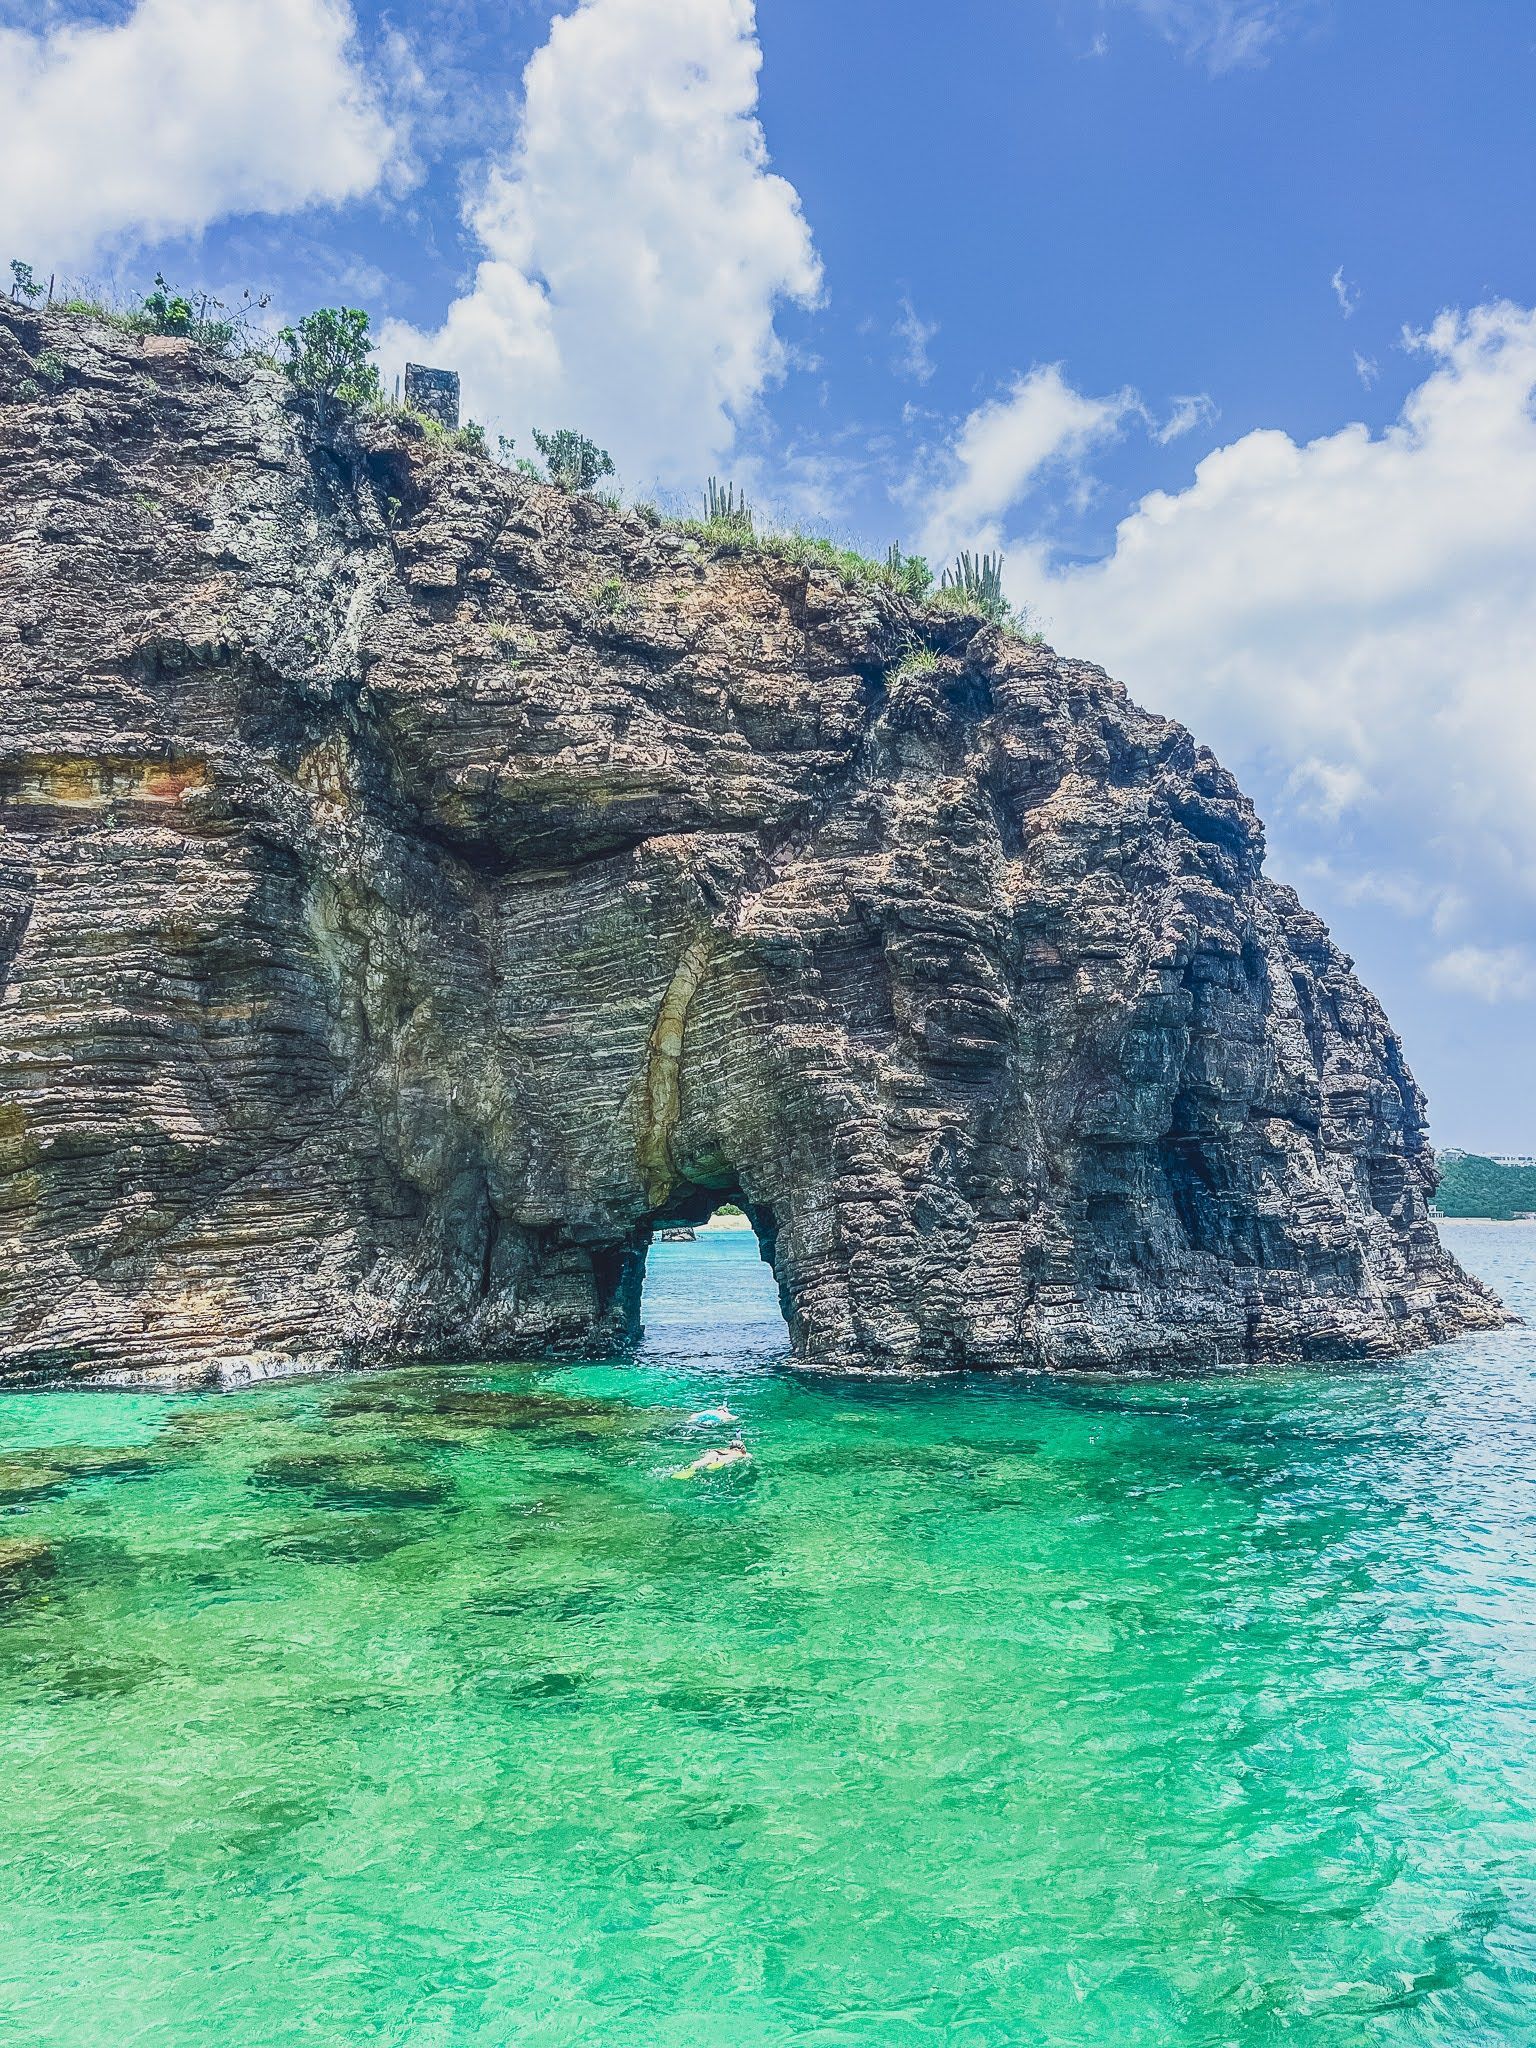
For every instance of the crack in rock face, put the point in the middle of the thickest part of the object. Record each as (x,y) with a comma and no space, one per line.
(418,885)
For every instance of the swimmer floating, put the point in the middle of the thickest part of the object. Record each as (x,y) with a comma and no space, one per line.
(718,1459)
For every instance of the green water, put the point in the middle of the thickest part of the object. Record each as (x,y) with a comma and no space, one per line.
(427,1711)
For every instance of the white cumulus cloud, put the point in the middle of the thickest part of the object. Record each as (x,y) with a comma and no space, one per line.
(635,242)
(1356,614)
(179,114)
(1350,622)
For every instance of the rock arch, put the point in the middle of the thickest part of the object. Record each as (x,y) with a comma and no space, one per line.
(395,924)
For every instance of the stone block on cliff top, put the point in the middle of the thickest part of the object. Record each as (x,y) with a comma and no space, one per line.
(433,392)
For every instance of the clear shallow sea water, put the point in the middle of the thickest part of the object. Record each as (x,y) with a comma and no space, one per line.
(425,1711)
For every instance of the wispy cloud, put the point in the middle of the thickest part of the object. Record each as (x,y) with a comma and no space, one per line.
(1347,294)
(1224,35)
(1002,448)
(1326,789)
(913,335)
(1367,369)
(1492,974)
(1440,906)
(1187,414)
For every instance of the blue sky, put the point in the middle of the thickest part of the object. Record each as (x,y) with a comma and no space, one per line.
(1215,314)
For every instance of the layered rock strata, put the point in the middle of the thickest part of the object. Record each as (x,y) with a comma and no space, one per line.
(418,886)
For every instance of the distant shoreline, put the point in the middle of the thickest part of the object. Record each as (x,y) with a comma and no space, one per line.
(1498,1222)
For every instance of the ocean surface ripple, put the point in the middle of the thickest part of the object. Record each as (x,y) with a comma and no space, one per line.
(427,1710)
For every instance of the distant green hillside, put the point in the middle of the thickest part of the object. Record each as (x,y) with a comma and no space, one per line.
(1474,1186)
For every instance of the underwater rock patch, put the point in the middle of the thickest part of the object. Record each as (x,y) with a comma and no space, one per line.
(25,1563)
(346,1482)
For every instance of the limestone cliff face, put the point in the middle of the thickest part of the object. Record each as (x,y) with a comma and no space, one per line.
(416,885)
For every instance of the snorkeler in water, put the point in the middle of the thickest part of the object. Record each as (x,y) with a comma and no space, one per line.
(717,1459)
(714,1415)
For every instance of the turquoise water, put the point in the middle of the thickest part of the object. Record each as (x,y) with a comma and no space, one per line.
(426,1711)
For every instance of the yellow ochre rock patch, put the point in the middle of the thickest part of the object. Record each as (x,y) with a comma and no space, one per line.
(85,781)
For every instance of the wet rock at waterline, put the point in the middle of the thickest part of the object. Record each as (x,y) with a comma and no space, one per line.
(418,886)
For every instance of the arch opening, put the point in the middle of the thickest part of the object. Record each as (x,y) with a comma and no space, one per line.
(707,1282)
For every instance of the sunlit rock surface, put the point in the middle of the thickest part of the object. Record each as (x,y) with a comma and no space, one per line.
(417,885)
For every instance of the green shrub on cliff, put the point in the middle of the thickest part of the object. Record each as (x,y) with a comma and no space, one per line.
(816,551)
(727,508)
(974,584)
(917,661)
(909,575)
(327,354)
(468,439)
(198,317)
(163,311)
(724,536)
(506,454)
(729,527)
(572,461)
(167,312)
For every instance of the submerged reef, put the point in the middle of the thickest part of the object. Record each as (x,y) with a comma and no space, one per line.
(419,885)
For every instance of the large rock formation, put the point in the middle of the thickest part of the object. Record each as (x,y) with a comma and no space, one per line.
(417,885)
